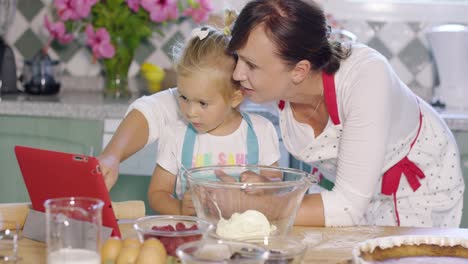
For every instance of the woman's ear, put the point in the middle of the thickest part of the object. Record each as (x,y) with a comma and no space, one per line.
(301,71)
(237,98)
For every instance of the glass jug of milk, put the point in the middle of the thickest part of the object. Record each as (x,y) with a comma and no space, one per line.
(73,230)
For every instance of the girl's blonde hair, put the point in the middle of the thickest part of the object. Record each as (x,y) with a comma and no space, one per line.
(208,55)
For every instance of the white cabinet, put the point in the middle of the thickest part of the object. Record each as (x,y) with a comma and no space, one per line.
(141,163)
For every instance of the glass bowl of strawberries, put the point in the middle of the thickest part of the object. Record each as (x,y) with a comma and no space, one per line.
(171,230)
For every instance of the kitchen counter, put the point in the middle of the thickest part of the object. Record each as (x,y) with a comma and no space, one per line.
(326,245)
(75,105)
(93,106)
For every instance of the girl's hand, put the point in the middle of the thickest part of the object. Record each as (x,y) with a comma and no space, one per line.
(109,166)
(187,207)
(250,176)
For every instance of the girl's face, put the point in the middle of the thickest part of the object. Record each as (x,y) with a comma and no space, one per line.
(263,75)
(203,104)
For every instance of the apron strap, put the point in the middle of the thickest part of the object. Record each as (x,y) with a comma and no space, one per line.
(329,91)
(189,145)
(252,141)
(322,180)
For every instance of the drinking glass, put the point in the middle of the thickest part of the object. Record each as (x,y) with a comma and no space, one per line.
(73,230)
(9,241)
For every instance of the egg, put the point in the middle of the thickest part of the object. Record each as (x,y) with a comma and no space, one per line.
(128,255)
(131,241)
(150,255)
(110,250)
(157,251)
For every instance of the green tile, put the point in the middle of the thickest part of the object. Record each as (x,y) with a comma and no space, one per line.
(144,51)
(67,51)
(376,25)
(167,47)
(29,8)
(415,56)
(378,45)
(28,44)
(416,26)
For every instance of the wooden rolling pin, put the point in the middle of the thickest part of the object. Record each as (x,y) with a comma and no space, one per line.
(17,212)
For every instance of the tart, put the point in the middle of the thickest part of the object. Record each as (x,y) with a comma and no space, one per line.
(412,249)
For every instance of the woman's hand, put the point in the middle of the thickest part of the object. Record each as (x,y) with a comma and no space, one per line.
(109,168)
(187,207)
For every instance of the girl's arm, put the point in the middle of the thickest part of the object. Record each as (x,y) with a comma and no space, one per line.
(160,193)
(130,137)
(145,120)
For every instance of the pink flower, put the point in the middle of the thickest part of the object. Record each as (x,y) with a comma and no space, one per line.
(99,42)
(134,5)
(57,31)
(200,11)
(161,10)
(73,9)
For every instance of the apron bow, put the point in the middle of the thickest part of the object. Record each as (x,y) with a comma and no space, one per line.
(391,178)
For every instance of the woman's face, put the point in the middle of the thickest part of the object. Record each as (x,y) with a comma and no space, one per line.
(262,74)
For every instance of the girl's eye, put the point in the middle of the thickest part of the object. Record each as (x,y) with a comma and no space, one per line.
(203,104)
(183,98)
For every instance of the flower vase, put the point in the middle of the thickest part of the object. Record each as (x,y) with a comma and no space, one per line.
(115,73)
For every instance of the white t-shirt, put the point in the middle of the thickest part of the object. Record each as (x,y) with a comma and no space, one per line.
(210,150)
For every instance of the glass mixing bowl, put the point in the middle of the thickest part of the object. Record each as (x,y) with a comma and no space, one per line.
(218,193)
(221,252)
(171,230)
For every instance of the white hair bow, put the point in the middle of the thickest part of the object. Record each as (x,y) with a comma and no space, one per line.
(201,33)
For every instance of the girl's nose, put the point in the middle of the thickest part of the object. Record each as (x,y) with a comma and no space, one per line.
(190,110)
(239,72)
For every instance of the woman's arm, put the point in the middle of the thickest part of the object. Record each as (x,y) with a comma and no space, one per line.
(310,212)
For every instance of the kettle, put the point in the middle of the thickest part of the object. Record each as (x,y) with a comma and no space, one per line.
(7,69)
(41,75)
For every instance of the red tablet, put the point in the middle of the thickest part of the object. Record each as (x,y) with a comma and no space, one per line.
(51,174)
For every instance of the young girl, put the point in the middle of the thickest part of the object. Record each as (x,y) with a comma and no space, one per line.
(212,131)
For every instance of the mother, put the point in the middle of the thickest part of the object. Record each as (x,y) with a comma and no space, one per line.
(384,155)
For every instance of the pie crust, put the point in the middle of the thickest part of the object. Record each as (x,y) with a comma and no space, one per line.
(412,249)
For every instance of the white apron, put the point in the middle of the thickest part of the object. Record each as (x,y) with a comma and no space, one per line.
(421,182)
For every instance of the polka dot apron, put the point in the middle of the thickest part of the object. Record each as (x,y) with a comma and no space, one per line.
(421,182)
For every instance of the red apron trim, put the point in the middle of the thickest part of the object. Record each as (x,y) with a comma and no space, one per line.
(330,97)
(391,178)
(281,104)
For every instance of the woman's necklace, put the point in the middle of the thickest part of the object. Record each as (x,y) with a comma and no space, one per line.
(318,104)
(303,114)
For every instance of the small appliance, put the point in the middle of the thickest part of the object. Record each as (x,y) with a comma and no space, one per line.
(7,69)
(7,59)
(449,46)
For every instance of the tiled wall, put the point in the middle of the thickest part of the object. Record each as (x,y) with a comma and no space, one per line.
(27,36)
(404,45)
(402,42)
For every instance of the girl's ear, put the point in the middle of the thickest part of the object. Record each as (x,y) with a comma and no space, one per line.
(236,98)
(301,71)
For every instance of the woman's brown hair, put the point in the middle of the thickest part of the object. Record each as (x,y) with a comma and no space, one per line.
(298,30)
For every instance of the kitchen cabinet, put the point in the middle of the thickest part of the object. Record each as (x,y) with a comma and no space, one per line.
(60,134)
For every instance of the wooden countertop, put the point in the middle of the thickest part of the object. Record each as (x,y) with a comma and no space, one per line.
(326,245)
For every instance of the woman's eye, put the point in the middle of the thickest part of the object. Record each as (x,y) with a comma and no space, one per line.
(250,65)
(203,104)
(183,98)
